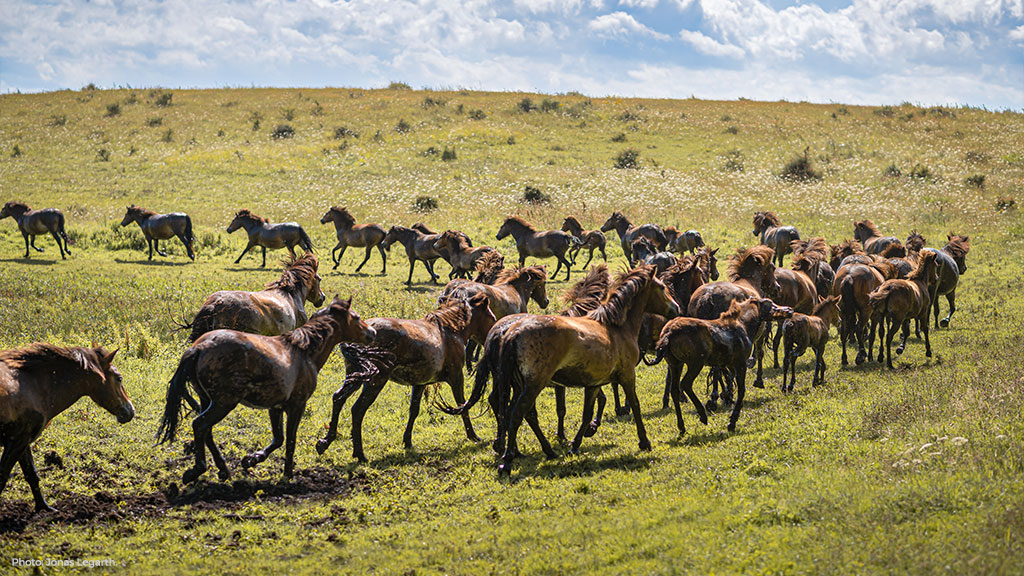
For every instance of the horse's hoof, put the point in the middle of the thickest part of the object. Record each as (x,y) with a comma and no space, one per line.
(758,383)
(944,323)
(250,461)
(224,475)
(497,447)
(732,427)
(562,439)
(473,437)
(191,475)
(44,509)
(322,445)
(645,445)
(505,469)
(623,411)
(361,458)
(710,406)
(899,351)
(751,362)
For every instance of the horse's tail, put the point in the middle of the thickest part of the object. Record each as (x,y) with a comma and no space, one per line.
(658,357)
(190,237)
(60,230)
(575,241)
(304,240)
(879,300)
(484,368)
(205,321)
(176,392)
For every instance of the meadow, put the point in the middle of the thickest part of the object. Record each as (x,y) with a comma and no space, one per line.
(918,470)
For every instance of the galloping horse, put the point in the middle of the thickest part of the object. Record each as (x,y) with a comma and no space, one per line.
(952,261)
(273,236)
(901,300)
(418,246)
(628,233)
(545,244)
(687,240)
(279,373)
(157,227)
(865,232)
(40,381)
(854,282)
(644,252)
(774,235)
(35,222)
(355,235)
(455,247)
(276,309)
(804,331)
(589,239)
(425,352)
(797,288)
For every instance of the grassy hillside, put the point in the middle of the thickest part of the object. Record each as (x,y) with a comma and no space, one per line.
(916,470)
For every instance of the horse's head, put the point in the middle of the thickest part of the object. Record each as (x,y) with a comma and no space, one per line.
(316,295)
(958,248)
(658,298)
(571,225)
(758,222)
(768,310)
(915,241)
(241,217)
(481,319)
(390,238)
(863,229)
(107,388)
(505,230)
(130,215)
(613,221)
(710,263)
(538,276)
(352,328)
(828,309)
(13,209)
(642,249)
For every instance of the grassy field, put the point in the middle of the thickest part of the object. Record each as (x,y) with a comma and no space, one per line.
(916,470)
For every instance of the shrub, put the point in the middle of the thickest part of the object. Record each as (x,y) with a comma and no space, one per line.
(548,105)
(511,141)
(163,99)
(620,137)
(892,171)
(477,114)
(577,110)
(431,152)
(288,114)
(732,130)
(103,155)
(535,196)
(629,116)
(449,154)
(430,102)
(526,105)
(733,161)
(399,86)
(799,169)
(282,131)
(154,121)
(842,111)
(1005,203)
(921,172)
(628,158)
(726,118)
(976,180)
(343,132)
(168,136)
(58,120)
(424,204)
(884,111)
(113,109)
(976,157)
(90,87)
(16,151)
(403,127)
(132,98)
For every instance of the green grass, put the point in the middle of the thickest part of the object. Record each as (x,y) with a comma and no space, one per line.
(868,474)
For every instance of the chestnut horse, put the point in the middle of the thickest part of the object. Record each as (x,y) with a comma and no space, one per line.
(276,309)
(628,233)
(900,300)
(40,381)
(355,235)
(865,232)
(826,275)
(156,227)
(454,246)
(774,235)
(530,242)
(424,352)
(803,331)
(854,282)
(279,373)
(265,235)
(797,287)
(687,240)
(418,246)
(589,239)
(35,222)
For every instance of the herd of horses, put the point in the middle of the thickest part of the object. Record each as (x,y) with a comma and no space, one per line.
(261,349)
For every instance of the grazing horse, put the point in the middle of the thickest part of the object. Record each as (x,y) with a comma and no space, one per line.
(157,227)
(276,309)
(865,232)
(751,274)
(774,235)
(589,239)
(355,235)
(460,255)
(425,352)
(545,244)
(900,300)
(279,373)
(628,233)
(644,252)
(725,342)
(687,240)
(803,331)
(266,235)
(952,262)
(35,222)
(580,352)
(40,381)
(797,287)
(418,246)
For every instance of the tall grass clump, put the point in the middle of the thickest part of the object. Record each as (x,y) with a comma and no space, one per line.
(800,169)
(282,131)
(526,105)
(628,158)
(535,196)
(448,155)
(113,109)
(424,204)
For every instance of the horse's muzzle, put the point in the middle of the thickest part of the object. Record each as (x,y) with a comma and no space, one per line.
(125,413)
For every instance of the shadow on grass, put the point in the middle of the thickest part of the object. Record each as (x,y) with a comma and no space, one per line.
(153,262)
(31,261)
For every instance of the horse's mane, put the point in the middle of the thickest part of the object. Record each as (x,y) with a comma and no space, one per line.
(958,246)
(46,356)
(587,294)
(13,204)
(299,272)
(489,268)
(761,256)
(894,251)
(141,210)
(846,248)
(343,214)
(915,241)
(615,307)
(642,241)
(869,226)
(734,311)
(918,272)
(766,219)
(821,306)
(422,228)
(246,213)
(807,253)
(520,222)
(573,223)
(453,313)
(885,268)
(675,272)
(457,238)
(510,275)
(670,231)
(311,335)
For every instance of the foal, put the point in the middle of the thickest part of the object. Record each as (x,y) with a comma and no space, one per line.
(460,255)
(589,239)
(687,240)
(628,233)
(355,235)
(865,232)
(156,227)
(35,222)
(804,331)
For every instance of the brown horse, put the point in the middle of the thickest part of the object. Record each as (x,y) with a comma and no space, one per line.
(644,252)
(900,300)
(797,287)
(418,246)
(865,232)
(589,239)
(854,282)
(35,222)
(509,293)
(774,235)
(156,227)
(685,241)
(804,331)
(530,242)
(40,381)
(425,352)
(355,235)
(915,241)
(455,247)
(708,263)
(628,233)
(279,373)
(276,309)
(725,343)
(952,262)
(583,352)
(826,275)
(902,261)
(265,235)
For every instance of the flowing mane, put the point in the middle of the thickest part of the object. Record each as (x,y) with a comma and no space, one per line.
(44,355)
(489,268)
(250,215)
(299,272)
(757,256)
(846,248)
(12,205)
(869,226)
(453,313)
(677,271)
(734,311)
(615,307)
(510,275)
(587,294)
(572,223)
(922,264)
(766,220)
(958,246)
(311,336)
(894,251)
(808,253)
(133,209)
(455,240)
(422,228)
(517,221)
(915,241)
(342,214)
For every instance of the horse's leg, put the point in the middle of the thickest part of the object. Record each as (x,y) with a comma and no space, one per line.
(792,371)
(188,246)
(277,428)
(25,236)
(819,366)
(686,385)
(787,360)
(414,411)
(845,331)
(384,256)
(927,338)
(337,259)
(294,413)
(604,255)
(430,268)
(775,345)
(888,342)
(264,250)
(525,400)
(201,427)
(741,389)
(759,355)
(412,264)
(56,238)
(156,246)
(596,422)
(369,250)
(951,298)
(589,395)
(149,243)
(28,468)
(531,419)
(34,247)
(218,459)
(714,375)
(589,258)
(672,386)
(13,449)
(629,387)
(568,267)
(459,392)
(338,402)
(623,409)
(560,412)
(370,391)
(860,334)
(494,400)
(247,248)
(905,334)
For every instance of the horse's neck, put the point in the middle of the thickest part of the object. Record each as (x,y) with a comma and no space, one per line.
(62,396)
(749,283)
(623,227)
(253,226)
(750,320)
(519,232)
(521,287)
(297,296)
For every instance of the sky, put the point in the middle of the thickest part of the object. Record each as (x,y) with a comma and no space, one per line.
(871,52)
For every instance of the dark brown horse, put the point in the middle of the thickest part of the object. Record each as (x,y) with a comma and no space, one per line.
(774,235)
(454,246)
(418,246)
(508,294)
(530,242)
(854,282)
(585,352)
(725,343)
(35,222)
(425,352)
(952,262)
(797,288)
(355,235)
(628,233)
(685,241)
(707,261)
(826,275)
(40,381)
(644,252)
(276,309)
(156,227)
(900,300)
(265,235)
(865,232)
(589,239)
(804,331)
(279,373)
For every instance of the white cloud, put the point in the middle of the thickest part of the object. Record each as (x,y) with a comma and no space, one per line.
(1017,34)
(621,25)
(710,46)
(646,4)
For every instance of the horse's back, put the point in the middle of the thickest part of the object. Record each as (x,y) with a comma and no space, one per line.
(418,346)
(949,272)
(710,300)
